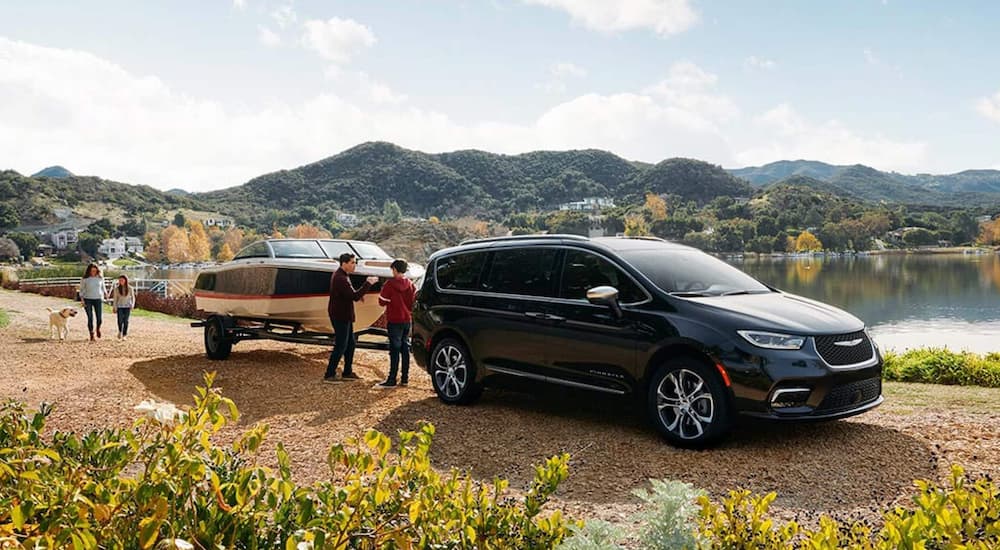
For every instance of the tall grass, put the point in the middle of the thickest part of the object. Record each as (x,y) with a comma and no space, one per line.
(4,318)
(941,366)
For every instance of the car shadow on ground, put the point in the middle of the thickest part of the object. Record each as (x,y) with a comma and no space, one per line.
(262,383)
(826,466)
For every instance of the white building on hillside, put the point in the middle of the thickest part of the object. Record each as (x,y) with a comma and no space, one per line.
(589,204)
(65,238)
(116,248)
(218,222)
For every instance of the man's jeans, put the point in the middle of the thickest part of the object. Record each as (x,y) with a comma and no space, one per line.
(94,309)
(343,337)
(399,348)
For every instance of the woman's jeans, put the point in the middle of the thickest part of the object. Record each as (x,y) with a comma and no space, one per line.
(399,348)
(93,309)
(123,314)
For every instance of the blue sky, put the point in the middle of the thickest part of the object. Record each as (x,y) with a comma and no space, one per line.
(207,94)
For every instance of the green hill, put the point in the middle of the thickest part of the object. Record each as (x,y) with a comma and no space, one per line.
(53,172)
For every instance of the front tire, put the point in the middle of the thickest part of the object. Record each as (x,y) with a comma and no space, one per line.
(217,346)
(688,404)
(453,374)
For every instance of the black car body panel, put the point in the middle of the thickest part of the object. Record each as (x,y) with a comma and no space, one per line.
(562,338)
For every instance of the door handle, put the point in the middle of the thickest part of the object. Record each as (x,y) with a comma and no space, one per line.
(554,318)
(534,314)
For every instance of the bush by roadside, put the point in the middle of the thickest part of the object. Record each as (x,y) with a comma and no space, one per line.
(941,366)
(164,484)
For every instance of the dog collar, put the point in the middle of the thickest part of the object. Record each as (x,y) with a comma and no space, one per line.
(63,316)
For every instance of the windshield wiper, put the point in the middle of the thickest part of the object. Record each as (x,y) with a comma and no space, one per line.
(739,292)
(691,294)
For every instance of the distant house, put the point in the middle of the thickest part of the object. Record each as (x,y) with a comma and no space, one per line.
(983,219)
(347,220)
(589,204)
(65,238)
(218,222)
(116,248)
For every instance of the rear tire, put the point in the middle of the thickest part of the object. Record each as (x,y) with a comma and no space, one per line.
(688,404)
(217,346)
(453,373)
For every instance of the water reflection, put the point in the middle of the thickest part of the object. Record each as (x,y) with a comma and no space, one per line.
(909,301)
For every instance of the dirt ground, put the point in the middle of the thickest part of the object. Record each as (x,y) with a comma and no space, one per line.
(846,469)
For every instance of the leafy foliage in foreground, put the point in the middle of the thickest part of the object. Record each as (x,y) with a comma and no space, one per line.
(941,366)
(965,514)
(164,484)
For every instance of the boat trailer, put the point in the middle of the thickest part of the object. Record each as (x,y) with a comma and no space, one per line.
(222,331)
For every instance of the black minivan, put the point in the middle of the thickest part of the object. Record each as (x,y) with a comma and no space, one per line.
(693,337)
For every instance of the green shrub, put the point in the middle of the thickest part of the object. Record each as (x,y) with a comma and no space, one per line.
(941,366)
(4,319)
(164,484)
(668,515)
(594,535)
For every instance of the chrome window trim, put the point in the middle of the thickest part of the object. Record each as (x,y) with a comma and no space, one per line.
(616,265)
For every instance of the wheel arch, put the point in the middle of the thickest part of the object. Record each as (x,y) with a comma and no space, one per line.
(685,350)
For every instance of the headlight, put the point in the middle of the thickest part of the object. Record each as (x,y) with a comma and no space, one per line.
(772,340)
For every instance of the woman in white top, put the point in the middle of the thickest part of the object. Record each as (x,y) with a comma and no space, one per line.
(123,300)
(91,297)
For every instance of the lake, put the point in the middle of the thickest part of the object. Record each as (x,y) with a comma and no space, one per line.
(916,300)
(909,301)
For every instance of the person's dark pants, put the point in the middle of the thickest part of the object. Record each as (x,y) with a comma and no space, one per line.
(399,348)
(123,315)
(94,310)
(343,337)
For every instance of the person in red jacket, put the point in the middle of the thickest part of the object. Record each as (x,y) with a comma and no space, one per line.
(397,297)
(341,310)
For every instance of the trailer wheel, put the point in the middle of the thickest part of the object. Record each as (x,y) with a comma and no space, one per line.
(217,346)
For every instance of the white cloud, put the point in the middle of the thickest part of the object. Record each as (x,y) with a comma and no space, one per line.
(563,70)
(284,16)
(691,88)
(665,17)
(135,129)
(870,56)
(793,137)
(336,39)
(267,37)
(989,107)
(240,4)
(754,62)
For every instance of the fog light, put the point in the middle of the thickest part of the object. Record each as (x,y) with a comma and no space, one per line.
(787,398)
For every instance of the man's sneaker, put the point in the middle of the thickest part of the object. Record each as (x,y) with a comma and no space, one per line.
(403,382)
(330,380)
(384,386)
(350,376)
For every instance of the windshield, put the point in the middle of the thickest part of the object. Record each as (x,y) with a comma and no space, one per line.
(369,251)
(297,249)
(692,273)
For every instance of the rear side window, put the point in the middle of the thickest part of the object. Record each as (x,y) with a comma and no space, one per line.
(583,271)
(256,250)
(460,271)
(524,271)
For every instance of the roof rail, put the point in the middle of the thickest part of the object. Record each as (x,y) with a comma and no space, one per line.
(641,238)
(523,237)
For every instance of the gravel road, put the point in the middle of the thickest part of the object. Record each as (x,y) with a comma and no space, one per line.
(846,469)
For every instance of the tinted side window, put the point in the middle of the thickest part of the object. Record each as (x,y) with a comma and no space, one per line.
(583,271)
(256,250)
(525,271)
(460,271)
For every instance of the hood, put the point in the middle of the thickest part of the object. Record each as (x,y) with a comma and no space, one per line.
(778,311)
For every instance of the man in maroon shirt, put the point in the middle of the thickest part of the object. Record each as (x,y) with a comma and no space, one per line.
(341,311)
(397,296)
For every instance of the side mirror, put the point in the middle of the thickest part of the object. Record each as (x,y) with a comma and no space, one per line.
(606,296)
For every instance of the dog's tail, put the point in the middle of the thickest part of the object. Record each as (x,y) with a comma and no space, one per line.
(49,310)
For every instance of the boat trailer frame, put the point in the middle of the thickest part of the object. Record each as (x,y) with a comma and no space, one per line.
(222,331)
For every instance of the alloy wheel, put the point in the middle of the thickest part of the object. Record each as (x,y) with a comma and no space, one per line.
(685,404)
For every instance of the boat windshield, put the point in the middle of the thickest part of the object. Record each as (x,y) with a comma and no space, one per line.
(335,248)
(297,249)
(370,251)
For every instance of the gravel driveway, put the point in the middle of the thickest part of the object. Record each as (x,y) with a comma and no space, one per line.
(846,469)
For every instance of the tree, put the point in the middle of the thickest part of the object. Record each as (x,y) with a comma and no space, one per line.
(89,243)
(234,239)
(308,231)
(989,233)
(179,219)
(131,228)
(568,221)
(8,216)
(919,237)
(392,213)
(434,220)
(198,245)
(225,253)
(635,226)
(807,242)
(152,249)
(102,228)
(656,206)
(8,249)
(26,242)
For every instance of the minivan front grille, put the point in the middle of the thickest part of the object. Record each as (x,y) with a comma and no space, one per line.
(845,349)
(852,394)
